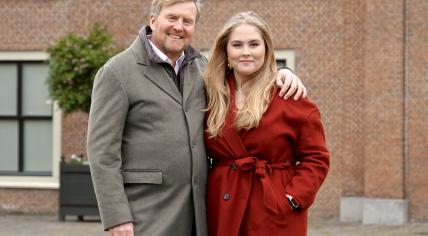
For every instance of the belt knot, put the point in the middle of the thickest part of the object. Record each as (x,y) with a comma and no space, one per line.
(262,169)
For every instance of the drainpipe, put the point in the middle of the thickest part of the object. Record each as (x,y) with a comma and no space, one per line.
(405,108)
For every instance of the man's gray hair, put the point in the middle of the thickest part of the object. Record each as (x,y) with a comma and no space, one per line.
(158,4)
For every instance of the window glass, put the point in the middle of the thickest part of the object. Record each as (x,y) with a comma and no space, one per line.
(35,92)
(9,146)
(37,146)
(8,89)
(281,63)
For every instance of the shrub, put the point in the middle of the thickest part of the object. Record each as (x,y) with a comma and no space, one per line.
(74,61)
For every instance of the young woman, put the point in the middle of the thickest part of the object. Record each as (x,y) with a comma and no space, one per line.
(269,154)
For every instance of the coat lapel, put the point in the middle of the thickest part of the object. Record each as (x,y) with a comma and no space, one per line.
(154,71)
(191,73)
(189,82)
(230,133)
(157,74)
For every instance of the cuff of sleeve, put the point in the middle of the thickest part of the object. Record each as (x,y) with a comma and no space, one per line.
(293,202)
(115,214)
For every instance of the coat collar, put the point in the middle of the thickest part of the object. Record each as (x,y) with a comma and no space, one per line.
(144,52)
(145,55)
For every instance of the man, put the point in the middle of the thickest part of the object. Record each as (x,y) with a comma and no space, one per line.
(145,134)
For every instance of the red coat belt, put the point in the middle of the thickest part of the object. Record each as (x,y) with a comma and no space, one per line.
(262,170)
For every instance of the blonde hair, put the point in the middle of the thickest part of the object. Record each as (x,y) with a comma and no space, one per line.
(157,5)
(258,90)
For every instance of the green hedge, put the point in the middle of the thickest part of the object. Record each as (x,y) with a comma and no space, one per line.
(74,61)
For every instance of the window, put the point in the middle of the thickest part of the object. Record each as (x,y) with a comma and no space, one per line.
(285,58)
(28,142)
(25,118)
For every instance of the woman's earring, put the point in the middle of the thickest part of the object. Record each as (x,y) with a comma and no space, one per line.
(228,65)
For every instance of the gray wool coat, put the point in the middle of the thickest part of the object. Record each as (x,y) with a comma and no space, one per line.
(145,143)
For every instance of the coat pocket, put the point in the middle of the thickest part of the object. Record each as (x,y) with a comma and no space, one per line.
(142,176)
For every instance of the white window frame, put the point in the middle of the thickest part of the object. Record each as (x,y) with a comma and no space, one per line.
(37,182)
(289,56)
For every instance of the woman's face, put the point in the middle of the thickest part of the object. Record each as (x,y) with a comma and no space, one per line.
(245,51)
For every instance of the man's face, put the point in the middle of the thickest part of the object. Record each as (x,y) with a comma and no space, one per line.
(173,28)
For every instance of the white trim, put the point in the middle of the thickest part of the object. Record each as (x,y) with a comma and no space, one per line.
(37,182)
(41,182)
(23,56)
(28,182)
(56,141)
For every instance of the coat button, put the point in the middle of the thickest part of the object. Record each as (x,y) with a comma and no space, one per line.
(226,196)
(234,166)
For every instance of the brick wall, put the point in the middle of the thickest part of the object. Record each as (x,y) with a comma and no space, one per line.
(28,201)
(383,94)
(417,108)
(73,139)
(351,54)
(351,140)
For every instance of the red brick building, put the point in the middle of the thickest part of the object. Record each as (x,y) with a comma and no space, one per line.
(365,62)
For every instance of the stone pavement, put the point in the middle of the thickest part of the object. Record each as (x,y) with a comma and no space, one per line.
(334,228)
(48,225)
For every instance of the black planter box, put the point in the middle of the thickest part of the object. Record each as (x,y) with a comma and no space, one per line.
(76,192)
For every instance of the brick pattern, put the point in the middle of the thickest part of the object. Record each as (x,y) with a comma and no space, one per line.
(73,139)
(28,201)
(351,139)
(417,28)
(383,94)
(349,53)
(33,25)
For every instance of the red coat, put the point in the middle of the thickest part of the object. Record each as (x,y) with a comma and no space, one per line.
(253,170)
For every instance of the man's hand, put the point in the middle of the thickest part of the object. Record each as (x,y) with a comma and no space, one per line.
(126,229)
(290,84)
